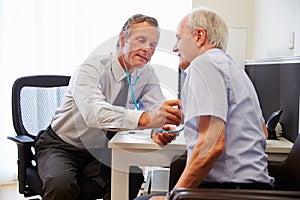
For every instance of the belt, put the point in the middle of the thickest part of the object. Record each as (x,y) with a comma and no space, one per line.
(230,185)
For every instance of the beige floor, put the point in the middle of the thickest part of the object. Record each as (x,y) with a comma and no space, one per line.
(9,191)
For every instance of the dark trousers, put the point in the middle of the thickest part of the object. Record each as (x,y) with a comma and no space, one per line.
(68,172)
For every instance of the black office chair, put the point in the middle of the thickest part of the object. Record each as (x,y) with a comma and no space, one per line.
(286,173)
(229,194)
(34,101)
(176,168)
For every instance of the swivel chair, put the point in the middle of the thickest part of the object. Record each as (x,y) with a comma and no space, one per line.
(286,173)
(34,101)
(230,194)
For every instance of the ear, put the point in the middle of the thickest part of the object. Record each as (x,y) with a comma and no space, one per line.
(121,39)
(200,36)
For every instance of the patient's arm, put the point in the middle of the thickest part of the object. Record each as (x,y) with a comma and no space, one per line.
(209,147)
(265,130)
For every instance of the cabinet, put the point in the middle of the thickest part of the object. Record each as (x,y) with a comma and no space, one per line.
(277,83)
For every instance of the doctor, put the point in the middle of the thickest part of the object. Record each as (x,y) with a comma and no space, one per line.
(117,91)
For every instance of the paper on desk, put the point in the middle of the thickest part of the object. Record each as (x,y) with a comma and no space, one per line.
(146,131)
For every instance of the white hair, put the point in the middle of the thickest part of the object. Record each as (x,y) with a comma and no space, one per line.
(215,27)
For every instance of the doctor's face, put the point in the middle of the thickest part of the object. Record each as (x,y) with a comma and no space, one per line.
(139,46)
(186,44)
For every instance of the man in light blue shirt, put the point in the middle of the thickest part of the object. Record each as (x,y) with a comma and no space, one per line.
(224,129)
(225,92)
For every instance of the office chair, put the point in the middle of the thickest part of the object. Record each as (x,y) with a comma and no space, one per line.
(176,168)
(229,194)
(34,101)
(286,173)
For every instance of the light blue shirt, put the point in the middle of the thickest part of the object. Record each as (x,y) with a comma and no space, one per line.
(87,106)
(215,85)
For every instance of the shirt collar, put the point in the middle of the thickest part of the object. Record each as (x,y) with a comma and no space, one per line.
(117,70)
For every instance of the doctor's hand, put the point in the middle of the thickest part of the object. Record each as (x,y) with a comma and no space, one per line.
(167,113)
(172,109)
(163,138)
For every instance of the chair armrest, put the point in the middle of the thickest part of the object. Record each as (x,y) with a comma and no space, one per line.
(25,155)
(21,139)
(229,194)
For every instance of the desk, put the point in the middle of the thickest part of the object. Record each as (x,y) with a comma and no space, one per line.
(278,150)
(139,150)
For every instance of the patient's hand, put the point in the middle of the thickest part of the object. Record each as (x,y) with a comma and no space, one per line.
(163,138)
(158,198)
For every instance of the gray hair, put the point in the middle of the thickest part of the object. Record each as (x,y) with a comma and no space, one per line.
(135,19)
(215,27)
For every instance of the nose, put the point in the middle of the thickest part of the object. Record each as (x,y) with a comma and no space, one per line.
(175,48)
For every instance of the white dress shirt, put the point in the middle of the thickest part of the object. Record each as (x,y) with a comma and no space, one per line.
(87,105)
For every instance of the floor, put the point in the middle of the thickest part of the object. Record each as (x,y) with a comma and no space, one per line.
(9,191)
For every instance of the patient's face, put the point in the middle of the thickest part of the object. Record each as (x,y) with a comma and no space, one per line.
(186,44)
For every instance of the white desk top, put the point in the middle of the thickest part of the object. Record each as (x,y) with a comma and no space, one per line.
(141,140)
(281,145)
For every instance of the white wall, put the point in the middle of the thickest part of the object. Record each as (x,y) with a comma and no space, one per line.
(268,24)
(239,17)
(54,37)
(273,21)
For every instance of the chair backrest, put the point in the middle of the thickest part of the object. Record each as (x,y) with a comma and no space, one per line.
(289,175)
(34,101)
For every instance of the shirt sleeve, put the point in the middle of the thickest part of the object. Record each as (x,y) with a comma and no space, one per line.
(205,91)
(93,106)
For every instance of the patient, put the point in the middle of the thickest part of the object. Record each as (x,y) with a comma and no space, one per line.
(224,127)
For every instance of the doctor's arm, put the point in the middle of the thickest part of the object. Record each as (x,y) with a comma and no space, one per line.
(159,111)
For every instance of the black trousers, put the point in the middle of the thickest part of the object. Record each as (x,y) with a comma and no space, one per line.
(68,172)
